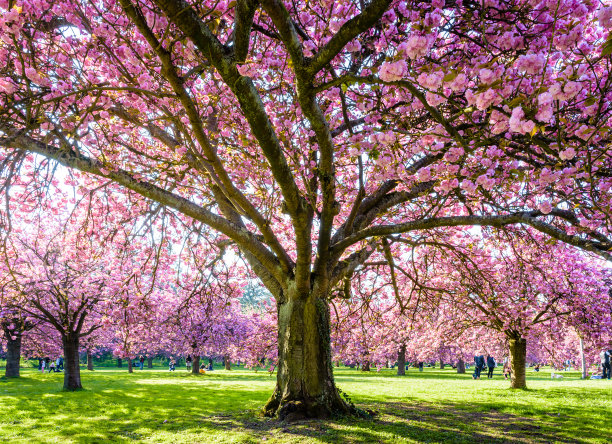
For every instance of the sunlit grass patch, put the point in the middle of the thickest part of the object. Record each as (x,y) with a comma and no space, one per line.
(223,406)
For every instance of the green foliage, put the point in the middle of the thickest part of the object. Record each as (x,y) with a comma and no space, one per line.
(433,406)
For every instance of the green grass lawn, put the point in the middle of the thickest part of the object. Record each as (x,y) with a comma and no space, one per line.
(222,406)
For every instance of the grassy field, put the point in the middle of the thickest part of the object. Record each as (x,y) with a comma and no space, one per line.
(222,406)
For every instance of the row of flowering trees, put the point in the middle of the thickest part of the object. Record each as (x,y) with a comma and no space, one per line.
(442,298)
(452,297)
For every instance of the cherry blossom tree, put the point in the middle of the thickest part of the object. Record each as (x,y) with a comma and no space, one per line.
(528,291)
(14,324)
(66,279)
(304,132)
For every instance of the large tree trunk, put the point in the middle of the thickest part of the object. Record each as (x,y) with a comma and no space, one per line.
(150,362)
(518,356)
(366,366)
(227,362)
(195,369)
(89,360)
(119,362)
(72,371)
(13,355)
(441,364)
(401,361)
(304,381)
(130,366)
(461,366)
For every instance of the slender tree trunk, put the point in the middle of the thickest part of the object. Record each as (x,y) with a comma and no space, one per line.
(518,357)
(583,359)
(72,371)
(195,369)
(119,362)
(304,381)
(226,361)
(401,361)
(130,366)
(461,366)
(89,360)
(13,355)
(150,362)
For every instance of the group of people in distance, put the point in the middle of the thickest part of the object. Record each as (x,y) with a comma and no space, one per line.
(480,364)
(50,365)
(606,365)
(189,365)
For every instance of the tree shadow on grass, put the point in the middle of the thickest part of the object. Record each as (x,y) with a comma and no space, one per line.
(158,406)
(398,421)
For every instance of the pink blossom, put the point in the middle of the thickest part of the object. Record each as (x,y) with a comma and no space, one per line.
(545,207)
(567,154)
(605,17)
(390,72)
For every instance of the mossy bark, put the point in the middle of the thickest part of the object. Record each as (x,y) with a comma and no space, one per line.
(401,361)
(518,357)
(305,386)
(13,355)
(72,370)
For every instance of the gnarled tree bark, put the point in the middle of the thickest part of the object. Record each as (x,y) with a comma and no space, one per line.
(72,370)
(461,366)
(305,386)
(13,356)
(401,360)
(518,357)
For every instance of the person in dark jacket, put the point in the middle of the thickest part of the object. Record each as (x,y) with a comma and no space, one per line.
(491,365)
(479,364)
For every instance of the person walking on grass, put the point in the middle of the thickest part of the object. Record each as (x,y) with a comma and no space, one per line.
(141,362)
(491,365)
(605,363)
(479,364)
(188,362)
(171,365)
